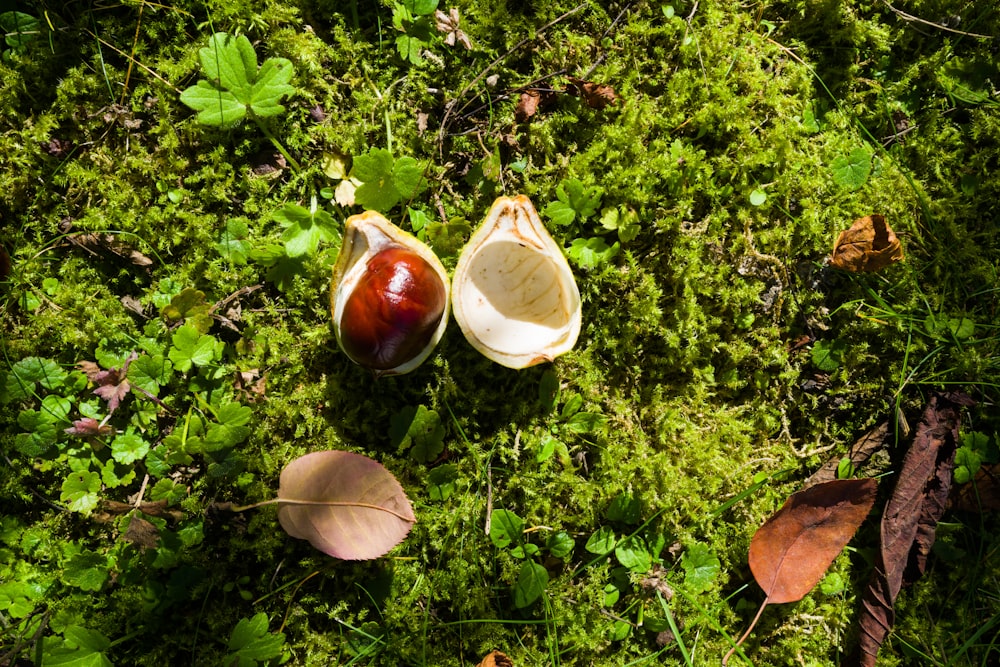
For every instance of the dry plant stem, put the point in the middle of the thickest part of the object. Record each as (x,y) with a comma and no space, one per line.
(743,637)
(318,503)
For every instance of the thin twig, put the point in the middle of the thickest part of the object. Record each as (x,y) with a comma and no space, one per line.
(916,19)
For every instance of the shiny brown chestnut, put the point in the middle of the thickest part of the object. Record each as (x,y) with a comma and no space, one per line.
(389,296)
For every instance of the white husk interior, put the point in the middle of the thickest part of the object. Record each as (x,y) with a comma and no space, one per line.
(514,293)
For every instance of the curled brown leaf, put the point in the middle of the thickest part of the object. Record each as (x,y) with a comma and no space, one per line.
(869,245)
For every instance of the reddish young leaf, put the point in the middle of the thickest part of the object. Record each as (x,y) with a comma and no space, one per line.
(345,504)
(793,549)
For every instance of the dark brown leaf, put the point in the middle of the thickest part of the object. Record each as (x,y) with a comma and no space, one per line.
(869,245)
(141,532)
(791,552)
(5,265)
(910,518)
(859,452)
(594,95)
(109,244)
(982,494)
(532,101)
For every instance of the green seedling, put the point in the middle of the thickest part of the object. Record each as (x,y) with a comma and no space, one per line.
(236,89)
(251,645)
(233,245)
(305,228)
(975,450)
(414,20)
(386,181)
(419,430)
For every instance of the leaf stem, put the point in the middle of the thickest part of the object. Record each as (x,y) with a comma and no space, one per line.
(277,144)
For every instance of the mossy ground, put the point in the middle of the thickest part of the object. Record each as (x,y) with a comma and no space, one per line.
(688,352)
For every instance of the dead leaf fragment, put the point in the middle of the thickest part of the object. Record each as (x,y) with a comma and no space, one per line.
(791,552)
(594,95)
(910,518)
(531,102)
(869,245)
(496,659)
(859,452)
(448,24)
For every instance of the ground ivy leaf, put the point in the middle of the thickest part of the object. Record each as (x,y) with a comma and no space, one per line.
(19,383)
(80,648)
(560,213)
(441,481)
(851,171)
(128,448)
(41,433)
(420,430)
(305,228)
(80,491)
(408,177)
(701,566)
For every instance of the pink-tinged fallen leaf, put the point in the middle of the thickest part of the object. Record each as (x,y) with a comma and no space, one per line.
(346,505)
(112,384)
(89,427)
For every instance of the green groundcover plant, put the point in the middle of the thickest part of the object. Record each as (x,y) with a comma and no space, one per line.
(175,179)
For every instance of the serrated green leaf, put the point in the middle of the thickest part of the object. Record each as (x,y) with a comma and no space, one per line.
(128,448)
(232,245)
(234,85)
(168,490)
(251,643)
(385,181)
(191,348)
(23,377)
(701,566)
(305,228)
(851,171)
(409,47)
(41,433)
(828,355)
(80,491)
(418,429)
(86,570)
(591,253)
(80,648)
(150,372)
(560,213)
(407,177)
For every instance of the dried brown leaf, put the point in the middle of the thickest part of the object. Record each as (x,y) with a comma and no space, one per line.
(141,532)
(496,659)
(531,102)
(869,245)
(791,552)
(910,518)
(594,95)
(859,452)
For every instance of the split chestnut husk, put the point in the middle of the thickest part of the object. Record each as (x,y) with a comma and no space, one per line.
(389,296)
(513,292)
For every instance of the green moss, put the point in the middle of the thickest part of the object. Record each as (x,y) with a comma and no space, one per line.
(689,355)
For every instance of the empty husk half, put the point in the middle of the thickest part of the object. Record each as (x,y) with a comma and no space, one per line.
(513,293)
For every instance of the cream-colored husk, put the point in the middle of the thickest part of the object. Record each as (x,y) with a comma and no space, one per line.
(365,235)
(513,293)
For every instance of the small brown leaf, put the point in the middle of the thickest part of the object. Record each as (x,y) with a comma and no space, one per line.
(791,552)
(869,245)
(141,532)
(859,452)
(594,95)
(347,505)
(532,101)
(496,659)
